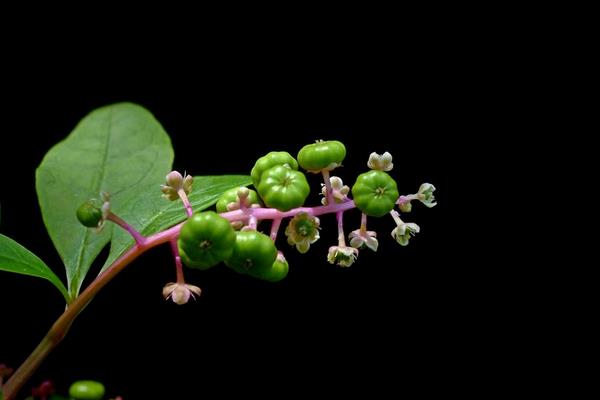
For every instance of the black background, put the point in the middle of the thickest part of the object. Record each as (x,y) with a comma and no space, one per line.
(402,316)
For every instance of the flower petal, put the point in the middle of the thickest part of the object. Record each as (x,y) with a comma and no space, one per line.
(303,246)
(371,243)
(357,242)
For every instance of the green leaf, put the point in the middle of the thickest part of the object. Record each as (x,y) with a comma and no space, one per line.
(153,213)
(120,149)
(16,258)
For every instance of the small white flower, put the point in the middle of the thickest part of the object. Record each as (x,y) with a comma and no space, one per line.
(176,182)
(360,238)
(343,256)
(180,293)
(339,190)
(425,195)
(380,162)
(404,231)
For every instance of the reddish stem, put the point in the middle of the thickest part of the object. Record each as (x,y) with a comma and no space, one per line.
(275,228)
(328,188)
(139,239)
(178,265)
(340,223)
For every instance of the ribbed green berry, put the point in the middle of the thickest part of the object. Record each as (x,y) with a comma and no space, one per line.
(277,272)
(322,155)
(375,193)
(253,253)
(283,188)
(271,160)
(205,240)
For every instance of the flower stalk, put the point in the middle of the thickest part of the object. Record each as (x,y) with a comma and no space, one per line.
(342,254)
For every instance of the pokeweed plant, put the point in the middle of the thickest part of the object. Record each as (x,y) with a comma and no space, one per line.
(96,187)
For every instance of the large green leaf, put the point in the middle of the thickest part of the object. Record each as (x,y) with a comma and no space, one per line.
(153,213)
(120,149)
(16,258)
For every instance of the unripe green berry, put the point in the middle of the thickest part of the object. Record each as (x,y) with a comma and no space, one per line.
(375,193)
(87,390)
(89,215)
(205,240)
(271,160)
(283,188)
(278,270)
(253,254)
(322,155)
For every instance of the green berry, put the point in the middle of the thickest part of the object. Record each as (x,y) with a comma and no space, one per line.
(271,160)
(322,155)
(87,390)
(375,193)
(205,240)
(283,188)
(231,196)
(89,215)
(253,254)
(277,272)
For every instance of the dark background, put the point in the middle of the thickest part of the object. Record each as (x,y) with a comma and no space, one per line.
(402,316)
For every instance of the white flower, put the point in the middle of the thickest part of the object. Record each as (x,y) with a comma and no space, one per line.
(425,195)
(343,256)
(360,238)
(338,189)
(176,182)
(380,162)
(404,231)
(180,293)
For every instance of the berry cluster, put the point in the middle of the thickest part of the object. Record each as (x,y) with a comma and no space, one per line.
(231,236)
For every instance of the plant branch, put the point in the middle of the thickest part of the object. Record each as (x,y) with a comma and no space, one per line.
(60,328)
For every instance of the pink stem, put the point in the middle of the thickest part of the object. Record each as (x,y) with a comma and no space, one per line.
(178,265)
(275,228)
(328,188)
(363,223)
(272,213)
(406,199)
(340,223)
(186,202)
(139,239)
(252,221)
